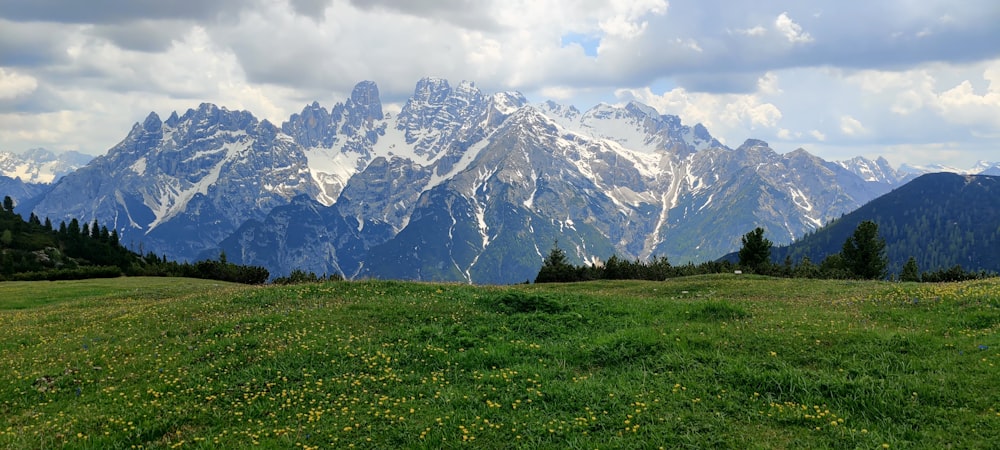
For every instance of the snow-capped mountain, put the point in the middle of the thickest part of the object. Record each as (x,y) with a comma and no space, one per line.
(458,185)
(980,168)
(611,180)
(41,166)
(879,170)
(178,186)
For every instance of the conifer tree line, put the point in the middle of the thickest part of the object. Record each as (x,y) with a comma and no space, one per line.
(862,257)
(37,250)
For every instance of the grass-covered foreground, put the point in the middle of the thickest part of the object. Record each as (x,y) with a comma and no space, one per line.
(717,361)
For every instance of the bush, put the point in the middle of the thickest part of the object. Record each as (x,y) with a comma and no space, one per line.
(79,273)
(519,302)
(299,276)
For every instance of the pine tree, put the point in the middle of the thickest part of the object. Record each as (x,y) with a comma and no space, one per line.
(8,204)
(864,252)
(756,251)
(74,228)
(555,267)
(910,271)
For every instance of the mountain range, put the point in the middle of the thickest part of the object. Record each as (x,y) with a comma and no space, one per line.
(27,175)
(457,185)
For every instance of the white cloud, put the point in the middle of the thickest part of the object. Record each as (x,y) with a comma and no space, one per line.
(13,84)
(962,104)
(730,117)
(755,31)
(851,126)
(738,67)
(786,134)
(625,20)
(791,30)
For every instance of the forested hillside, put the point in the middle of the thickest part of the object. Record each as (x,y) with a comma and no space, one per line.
(942,220)
(35,249)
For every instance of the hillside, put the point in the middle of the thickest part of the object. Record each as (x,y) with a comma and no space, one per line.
(700,362)
(35,250)
(941,219)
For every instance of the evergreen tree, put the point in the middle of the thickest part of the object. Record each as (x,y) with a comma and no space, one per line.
(756,251)
(864,252)
(48,224)
(8,204)
(806,269)
(555,267)
(910,271)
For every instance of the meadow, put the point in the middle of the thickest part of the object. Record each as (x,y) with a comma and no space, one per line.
(719,361)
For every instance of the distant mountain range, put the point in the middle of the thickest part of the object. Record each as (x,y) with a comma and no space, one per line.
(28,175)
(41,166)
(459,185)
(940,219)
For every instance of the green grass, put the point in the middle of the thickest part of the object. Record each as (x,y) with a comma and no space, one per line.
(700,362)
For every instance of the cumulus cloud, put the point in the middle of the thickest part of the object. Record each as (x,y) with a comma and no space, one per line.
(851,126)
(903,73)
(727,116)
(626,18)
(791,30)
(13,84)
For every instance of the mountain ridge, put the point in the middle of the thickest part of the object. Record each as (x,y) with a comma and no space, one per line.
(495,179)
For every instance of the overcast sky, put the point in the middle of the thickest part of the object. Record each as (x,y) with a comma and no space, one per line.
(914,81)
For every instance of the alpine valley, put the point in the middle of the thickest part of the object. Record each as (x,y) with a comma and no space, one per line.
(458,185)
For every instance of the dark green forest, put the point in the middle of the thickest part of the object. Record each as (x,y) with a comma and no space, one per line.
(944,221)
(35,249)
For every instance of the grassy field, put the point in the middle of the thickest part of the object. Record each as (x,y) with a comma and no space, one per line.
(700,362)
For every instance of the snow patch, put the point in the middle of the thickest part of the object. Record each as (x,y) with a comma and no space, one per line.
(139,166)
(174,196)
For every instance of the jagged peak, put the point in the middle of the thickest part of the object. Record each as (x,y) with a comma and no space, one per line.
(365,95)
(638,107)
(173,119)
(152,122)
(560,109)
(754,143)
(431,90)
(38,153)
(507,102)
(701,132)
(467,86)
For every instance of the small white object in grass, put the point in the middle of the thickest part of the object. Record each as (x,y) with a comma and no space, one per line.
(738,272)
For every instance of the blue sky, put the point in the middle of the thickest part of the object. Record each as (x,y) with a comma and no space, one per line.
(916,82)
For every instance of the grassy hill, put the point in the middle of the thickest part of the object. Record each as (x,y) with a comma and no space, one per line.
(710,361)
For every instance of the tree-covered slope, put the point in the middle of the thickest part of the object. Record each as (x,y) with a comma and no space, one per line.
(941,219)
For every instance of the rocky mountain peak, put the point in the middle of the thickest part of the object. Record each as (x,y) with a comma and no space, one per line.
(752,144)
(701,133)
(430,90)
(365,101)
(152,122)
